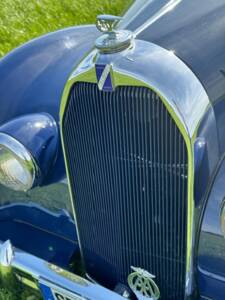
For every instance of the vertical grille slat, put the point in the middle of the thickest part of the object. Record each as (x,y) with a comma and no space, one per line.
(127,162)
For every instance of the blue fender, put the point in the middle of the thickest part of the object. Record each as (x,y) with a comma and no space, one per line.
(211,248)
(32,77)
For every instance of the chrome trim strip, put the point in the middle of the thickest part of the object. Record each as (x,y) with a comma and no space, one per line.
(146,64)
(152,66)
(52,276)
(211,275)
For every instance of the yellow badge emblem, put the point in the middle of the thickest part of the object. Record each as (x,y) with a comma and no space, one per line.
(142,284)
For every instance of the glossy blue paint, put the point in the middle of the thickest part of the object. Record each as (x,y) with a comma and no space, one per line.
(212,242)
(211,250)
(219,111)
(50,236)
(193,30)
(32,78)
(46,292)
(211,288)
(39,134)
(206,159)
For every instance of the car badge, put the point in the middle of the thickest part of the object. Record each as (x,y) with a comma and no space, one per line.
(112,40)
(104,77)
(142,284)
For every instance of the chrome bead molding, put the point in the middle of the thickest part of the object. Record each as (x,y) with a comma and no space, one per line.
(43,274)
(148,65)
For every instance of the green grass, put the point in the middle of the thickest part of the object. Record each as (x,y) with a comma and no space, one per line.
(22,20)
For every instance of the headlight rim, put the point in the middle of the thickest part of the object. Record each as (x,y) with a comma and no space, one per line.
(24,156)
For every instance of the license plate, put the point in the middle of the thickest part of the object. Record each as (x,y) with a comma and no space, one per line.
(51,292)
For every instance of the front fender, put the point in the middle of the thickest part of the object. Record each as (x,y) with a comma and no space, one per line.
(211,250)
(32,77)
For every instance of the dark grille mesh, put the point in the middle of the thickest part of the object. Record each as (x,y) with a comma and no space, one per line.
(128,171)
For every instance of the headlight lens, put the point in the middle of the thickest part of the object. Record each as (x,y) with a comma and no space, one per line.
(17,167)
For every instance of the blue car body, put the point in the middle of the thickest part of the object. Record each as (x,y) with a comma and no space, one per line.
(32,79)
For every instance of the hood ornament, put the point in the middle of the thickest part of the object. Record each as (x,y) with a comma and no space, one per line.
(112,40)
(107,23)
(142,284)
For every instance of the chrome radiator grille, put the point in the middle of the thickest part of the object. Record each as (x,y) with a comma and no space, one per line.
(127,162)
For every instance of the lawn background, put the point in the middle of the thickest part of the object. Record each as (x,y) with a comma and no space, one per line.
(22,20)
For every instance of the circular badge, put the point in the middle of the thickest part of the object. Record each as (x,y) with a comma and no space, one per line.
(142,284)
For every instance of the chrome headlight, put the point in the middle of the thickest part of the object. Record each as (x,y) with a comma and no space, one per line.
(29,146)
(18,169)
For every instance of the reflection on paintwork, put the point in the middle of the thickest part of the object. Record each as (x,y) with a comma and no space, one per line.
(160,13)
(211,253)
(137,7)
(195,31)
(43,215)
(212,242)
(54,197)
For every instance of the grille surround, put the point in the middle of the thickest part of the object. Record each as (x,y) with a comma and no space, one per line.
(165,292)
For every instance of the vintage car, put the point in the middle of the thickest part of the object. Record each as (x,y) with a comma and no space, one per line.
(112,148)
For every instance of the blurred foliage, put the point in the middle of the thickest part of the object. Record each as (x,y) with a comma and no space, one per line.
(21,20)
(11,287)
(54,197)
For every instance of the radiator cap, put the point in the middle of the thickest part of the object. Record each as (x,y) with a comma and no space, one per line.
(112,40)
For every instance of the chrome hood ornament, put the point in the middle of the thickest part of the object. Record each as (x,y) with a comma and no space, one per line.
(107,23)
(142,284)
(112,40)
